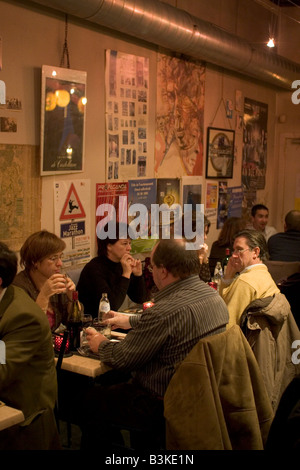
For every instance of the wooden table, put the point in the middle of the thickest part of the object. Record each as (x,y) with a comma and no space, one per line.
(82,365)
(87,366)
(9,417)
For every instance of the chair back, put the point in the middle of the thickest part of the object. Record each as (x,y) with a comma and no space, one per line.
(216,400)
(282,269)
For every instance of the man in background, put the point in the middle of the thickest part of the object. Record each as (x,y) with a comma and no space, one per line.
(28,377)
(246,278)
(260,216)
(285,246)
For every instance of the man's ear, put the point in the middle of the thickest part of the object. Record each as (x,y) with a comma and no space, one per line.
(256,252)
(1,281)
(164,272)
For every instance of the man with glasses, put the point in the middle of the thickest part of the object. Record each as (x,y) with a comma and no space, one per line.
(246,278)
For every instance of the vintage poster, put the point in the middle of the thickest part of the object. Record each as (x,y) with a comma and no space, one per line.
(72,219)
(254,162)
(111,203)
(127,101)
(62,120)
(179,121)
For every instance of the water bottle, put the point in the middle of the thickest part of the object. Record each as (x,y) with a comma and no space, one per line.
(218,274)
(104,308)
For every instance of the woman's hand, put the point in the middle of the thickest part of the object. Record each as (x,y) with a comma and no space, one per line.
(137,268)
(127,262)
(56,284)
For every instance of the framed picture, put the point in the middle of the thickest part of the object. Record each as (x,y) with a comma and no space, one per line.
(220,153)
(62,120)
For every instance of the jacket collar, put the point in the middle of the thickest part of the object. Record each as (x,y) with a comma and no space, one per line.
(6,300)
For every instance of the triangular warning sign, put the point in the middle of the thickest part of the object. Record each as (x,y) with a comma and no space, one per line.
(72,208)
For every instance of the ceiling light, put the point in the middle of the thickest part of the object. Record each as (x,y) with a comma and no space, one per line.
(271,42)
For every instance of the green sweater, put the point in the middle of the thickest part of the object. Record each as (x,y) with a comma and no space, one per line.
(251,284)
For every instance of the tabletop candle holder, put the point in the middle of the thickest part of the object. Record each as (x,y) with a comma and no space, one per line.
(58,341)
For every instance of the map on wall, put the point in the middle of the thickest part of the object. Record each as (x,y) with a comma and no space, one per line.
(20,193)
(179,120)
(127,91)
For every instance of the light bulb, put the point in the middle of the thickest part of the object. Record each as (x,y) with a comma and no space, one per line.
(271,42)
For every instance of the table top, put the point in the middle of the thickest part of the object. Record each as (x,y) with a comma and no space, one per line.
(88,366)
(9,417)
(82,365)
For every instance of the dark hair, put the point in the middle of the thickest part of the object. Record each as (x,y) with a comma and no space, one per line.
(292,220)
(8,265)
(109,236)
(258,207)
(231,226)
(255,239)
(39,246)
(174,256)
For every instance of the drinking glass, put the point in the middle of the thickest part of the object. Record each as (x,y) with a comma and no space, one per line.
(87,320)
(103,328)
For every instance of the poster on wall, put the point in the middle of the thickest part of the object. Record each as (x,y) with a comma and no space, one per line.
(142,192)
(211,201)
(127,102)
(254,160)
(191,191)
(220,153)
(235,198)
(72,219)
(62,120)
(223,203)
(111,203)
(179,120)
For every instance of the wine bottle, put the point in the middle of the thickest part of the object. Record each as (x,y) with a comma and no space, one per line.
(225,260)
(75,322)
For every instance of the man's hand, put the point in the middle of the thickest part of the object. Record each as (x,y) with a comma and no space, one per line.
(94,338)
(118,320)
(233,266)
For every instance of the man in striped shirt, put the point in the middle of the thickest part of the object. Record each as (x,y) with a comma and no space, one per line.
(185,310)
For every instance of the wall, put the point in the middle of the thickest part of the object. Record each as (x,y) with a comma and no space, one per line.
(33,36)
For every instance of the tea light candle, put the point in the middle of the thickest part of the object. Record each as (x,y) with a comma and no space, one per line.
(147,305)
(58,339)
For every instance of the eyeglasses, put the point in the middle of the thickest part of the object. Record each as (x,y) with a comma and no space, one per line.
(150,268)
(55,258)
(239,251)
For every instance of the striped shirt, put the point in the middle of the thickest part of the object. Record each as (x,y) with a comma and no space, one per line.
(162,336)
